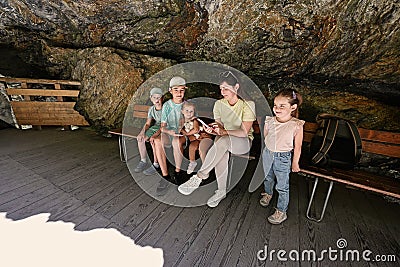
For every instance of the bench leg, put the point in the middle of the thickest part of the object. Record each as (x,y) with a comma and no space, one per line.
(122,148)
(325,203)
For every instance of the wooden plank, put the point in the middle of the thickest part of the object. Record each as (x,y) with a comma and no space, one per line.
(47,204)
(38,113)
(108,193)
(365,134)
(126,131)
(44,105)
(49,116)
(57,86)
(69,121)
(376,237)
(379,136)
(381,149)
(21,190)
(140,114)
(40,81)
(381,188)
(86,180)
(27,199)
(93,222)
(208,234)
(42,92)
(142,108)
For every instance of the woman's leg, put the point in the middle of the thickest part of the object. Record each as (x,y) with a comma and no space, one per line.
(204,146)
(221,172)
(217,152)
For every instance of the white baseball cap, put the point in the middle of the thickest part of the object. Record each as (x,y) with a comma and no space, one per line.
(177,81)
(156,91)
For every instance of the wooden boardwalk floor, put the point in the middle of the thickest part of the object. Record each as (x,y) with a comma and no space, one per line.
(77,177)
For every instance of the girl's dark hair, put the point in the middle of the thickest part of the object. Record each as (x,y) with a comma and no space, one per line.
(294,97)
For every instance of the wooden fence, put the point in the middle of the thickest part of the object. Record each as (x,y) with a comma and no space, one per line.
(40,102)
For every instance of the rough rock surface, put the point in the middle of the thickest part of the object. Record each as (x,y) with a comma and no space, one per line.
(342,55)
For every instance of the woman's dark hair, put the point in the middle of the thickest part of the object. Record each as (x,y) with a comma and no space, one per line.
(232,80)
(294,97)
(228,77)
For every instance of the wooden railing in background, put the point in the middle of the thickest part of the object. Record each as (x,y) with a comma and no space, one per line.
(60,111)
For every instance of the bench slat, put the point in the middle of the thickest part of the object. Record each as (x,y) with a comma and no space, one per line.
(380,136)
(140,114)
(381,149)
(42,92)
(39,81)
(72,120)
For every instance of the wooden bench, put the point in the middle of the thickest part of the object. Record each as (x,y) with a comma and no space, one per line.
(140,112)
(374,142)
(59,111)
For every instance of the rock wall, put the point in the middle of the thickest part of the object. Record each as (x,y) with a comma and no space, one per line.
(342,55)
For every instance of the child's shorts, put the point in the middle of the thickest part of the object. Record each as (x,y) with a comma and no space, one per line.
(152,130)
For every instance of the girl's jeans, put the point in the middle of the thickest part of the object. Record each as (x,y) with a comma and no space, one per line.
(277,166)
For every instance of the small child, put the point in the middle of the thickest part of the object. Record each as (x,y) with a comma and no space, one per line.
(191,129)
(283,134)
(149,132)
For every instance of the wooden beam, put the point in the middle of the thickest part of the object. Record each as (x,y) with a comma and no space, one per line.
(40,81)
(42,92)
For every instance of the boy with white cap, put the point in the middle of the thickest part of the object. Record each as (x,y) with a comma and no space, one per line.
(170,133)
(149,132)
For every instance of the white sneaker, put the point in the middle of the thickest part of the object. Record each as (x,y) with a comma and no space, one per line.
(192,184)
(192,165)
(216,198)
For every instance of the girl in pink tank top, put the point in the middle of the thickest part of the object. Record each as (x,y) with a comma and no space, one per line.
(283,135)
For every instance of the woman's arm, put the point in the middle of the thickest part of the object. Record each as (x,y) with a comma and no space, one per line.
(298,141)
(242,132)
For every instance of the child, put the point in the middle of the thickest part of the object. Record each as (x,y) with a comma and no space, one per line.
(170,127)
(283,134)
(192,130)
(149,132)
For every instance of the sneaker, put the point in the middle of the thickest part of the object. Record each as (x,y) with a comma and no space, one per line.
(192,184)
(278,217)
(191,167)
(216,198)
(150,171)
(265,199)
(162,186)
(177,177)
(141,166)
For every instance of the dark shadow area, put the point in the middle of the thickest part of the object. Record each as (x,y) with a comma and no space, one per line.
(14,64)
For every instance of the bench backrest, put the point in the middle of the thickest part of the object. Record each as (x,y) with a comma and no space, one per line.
(373,141)
(57,112)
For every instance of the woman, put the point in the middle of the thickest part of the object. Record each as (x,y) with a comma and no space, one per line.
(233,125)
